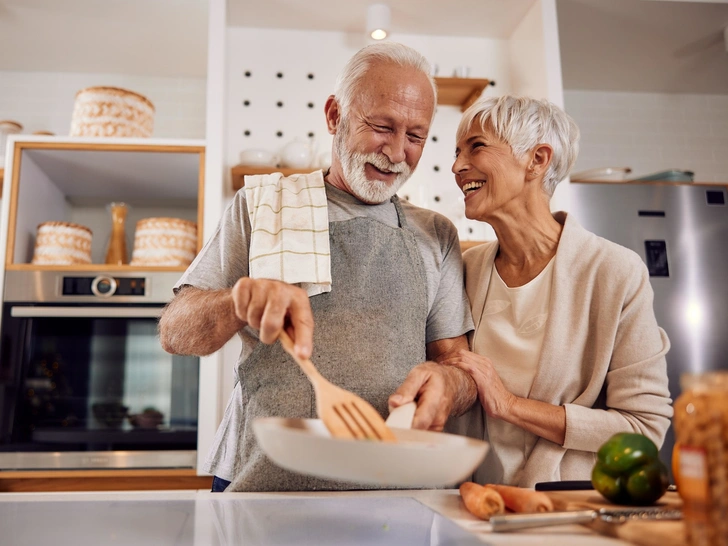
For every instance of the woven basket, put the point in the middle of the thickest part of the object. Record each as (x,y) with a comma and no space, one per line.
(164,242)
(112,112)
(62,243)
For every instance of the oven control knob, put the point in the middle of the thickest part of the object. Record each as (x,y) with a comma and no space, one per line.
(103,287)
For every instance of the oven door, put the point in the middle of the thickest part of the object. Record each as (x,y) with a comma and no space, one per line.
(89,386)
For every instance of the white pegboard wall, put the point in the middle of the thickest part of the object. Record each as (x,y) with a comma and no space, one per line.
(278,82)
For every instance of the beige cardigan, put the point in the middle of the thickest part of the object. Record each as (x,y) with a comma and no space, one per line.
(603,354)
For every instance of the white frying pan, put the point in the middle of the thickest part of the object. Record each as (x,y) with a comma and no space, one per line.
(419,458)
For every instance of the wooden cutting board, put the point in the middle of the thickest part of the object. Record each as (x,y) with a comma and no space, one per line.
(643,533)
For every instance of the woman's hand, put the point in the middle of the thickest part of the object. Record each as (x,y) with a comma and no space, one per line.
(494,397)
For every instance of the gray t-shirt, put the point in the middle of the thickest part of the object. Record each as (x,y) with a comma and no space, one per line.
(224,259)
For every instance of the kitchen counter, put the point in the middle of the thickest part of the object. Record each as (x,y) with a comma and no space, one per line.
(428,518)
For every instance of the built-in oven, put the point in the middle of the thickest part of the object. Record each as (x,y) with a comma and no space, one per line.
(84,382)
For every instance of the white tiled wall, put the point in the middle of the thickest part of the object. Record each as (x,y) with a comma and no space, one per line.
(652,132)
(43,101)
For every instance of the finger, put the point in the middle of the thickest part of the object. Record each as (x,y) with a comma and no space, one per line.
(410,387)
(241,298)
(300,318)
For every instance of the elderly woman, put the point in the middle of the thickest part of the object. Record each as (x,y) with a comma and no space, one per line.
(566,350)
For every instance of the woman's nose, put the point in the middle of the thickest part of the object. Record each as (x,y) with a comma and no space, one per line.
(460,164)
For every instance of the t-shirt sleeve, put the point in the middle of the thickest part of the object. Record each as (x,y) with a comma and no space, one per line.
(224,258)
(450,312)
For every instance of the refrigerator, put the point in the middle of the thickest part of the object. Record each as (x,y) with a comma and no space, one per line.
(681,233)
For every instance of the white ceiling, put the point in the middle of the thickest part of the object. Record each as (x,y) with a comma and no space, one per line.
(141,37)
(628,45)
(641,45)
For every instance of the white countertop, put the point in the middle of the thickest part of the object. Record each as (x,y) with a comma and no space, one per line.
(203,518)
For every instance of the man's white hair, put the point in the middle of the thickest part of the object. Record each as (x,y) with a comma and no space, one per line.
(348,81)
(523,123)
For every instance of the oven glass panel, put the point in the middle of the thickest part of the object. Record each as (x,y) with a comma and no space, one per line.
(94,384)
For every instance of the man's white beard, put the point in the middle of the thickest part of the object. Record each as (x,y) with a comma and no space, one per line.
(353,167)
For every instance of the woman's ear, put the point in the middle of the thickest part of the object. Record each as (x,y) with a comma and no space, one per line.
(540,160)
(333,114)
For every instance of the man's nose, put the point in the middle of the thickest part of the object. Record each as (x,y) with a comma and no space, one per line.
(394,148)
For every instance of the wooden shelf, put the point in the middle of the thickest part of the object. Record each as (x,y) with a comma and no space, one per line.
(94,268)
(240,171)
(460,92)
(101,480)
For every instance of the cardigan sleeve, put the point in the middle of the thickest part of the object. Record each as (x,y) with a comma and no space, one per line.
(637,395)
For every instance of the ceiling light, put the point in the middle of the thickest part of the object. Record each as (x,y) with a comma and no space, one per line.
(378,19)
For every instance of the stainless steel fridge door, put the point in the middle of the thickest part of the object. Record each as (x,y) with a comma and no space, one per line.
(681,232)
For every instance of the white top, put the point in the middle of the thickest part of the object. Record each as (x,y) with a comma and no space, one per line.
(511,334)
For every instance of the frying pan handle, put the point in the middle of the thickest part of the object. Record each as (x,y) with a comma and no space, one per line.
(514,522)
(402,416)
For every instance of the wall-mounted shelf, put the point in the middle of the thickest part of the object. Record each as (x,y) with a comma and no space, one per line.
(240,171)
(460,92)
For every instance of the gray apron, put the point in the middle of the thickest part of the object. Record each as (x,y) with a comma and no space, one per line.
(369,333)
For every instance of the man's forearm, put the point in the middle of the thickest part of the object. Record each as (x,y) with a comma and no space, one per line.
(198,322)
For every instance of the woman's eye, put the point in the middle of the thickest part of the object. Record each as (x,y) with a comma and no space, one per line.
(477,145)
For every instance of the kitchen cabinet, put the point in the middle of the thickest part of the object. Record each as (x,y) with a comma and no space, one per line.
(73,180)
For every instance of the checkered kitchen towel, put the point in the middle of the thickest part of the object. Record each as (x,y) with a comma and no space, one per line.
(289,221)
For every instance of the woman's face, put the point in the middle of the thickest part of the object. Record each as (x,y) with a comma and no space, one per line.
(488,173)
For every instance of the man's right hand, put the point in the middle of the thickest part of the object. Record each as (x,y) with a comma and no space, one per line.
(270,306)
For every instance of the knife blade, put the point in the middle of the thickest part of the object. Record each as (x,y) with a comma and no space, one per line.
(514,522)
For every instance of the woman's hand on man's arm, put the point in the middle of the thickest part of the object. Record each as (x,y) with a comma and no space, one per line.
(540,418)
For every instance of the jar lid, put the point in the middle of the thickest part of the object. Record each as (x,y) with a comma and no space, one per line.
(11,122)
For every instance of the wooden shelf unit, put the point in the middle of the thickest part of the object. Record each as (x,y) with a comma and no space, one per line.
(460,92)
(165,177)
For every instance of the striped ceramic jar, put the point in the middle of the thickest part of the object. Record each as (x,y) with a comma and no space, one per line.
(164,242)
(62,243)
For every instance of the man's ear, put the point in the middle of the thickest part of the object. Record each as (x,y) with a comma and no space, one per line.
(333,114)
(540,160)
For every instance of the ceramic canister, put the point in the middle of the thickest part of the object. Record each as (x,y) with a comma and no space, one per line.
(112,112)
(62,243)
(164,242)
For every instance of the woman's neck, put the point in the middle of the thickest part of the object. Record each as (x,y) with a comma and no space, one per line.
(527,242)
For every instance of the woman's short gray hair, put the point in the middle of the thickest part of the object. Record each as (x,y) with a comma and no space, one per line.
(523,123)
(356,68)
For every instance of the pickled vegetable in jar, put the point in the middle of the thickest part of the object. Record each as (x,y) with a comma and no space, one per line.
(701,434)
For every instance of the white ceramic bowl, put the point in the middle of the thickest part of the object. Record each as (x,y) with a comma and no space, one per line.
(258,158)
(419,458)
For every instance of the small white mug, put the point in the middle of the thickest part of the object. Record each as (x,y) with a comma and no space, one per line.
(462,71)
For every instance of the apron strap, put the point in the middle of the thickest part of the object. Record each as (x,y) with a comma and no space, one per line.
(401,219)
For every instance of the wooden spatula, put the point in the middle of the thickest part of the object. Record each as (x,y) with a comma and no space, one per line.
(345,414)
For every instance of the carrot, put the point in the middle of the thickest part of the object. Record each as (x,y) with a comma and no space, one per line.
(481,501)
(522,500)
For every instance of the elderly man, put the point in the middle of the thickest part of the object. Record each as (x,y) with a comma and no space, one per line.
(395,296)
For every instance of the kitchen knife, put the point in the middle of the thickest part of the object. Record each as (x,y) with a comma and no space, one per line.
(514,522)
(565,485)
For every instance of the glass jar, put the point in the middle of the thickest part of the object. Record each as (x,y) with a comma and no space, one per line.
(701,433)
